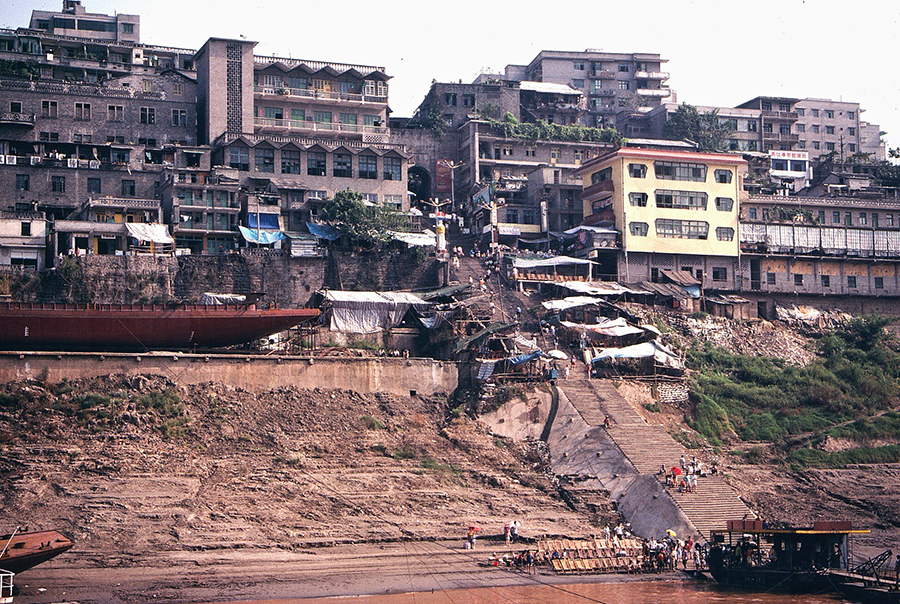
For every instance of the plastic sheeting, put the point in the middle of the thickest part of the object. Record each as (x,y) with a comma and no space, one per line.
(262,237)
(425,239)
(549,262)
(370,312)
(266,221)
(210,298)
(323,231)
(570,302)
(660,354)
(616,328)
(157,233)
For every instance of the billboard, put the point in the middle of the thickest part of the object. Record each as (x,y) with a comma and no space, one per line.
(443,174)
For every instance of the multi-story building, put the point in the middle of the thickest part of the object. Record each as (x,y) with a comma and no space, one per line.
(23,237)
(611,82)
(675,210)
(746,133)
(835,127)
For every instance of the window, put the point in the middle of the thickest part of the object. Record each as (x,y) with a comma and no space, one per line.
(801,127)
(784,106)
(392,168)
(118,138)
(273,113)
(128,188)
(801,144)
(120,156)
(848,219)
(58,184)
(49,109)
(638,199)
(724,204)
(82,111)
(368,167)
(512,215)
(530,151)
(623,85)
(578,84)
(767,127)
(623,69)
(579,156)
(863,219)
(264,159)
(115,113)
(25,230)
(821,217)
(507,150)
(815,129)
(829,129)
(601,176)
(393,202)
(815,144)
(751,213)
(720,273)
(637,170)
(349,118)
(468,100)
(852,147)
(723,177)
(681,200)
(93,186)
(752,126)
(554,155)
(826,280)
(315,163)
(343,165)
(128,28)
(800,112)
(680,171)
(766,105)
(290,161)
(239,158)
(784,128)
(770,278)
(23,182)
(815,112)
(829,146)
(639,229)
(879,282)
(724,234)
(851,115)
(179,117)
(889,220)
(528,216)
(322,117)
(81,138)
(798,280)
(682,229)
(178,88)
(148,115)
(370,197)
(450,99)
(317,195)
(851,281)
(829,114)
(579,66)
(147,86)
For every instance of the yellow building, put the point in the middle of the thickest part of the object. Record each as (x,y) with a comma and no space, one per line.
(675,210)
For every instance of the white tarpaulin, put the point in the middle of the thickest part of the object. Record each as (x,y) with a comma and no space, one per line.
(370,312)
(210,298)
(660,354)
(570,302)
(549,262)
(156,233)
(599,288)
(616,328)
(425,238)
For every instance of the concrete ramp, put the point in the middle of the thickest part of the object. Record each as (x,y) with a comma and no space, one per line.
(627,458)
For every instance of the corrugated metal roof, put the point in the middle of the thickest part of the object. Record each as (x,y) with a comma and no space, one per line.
(680,277)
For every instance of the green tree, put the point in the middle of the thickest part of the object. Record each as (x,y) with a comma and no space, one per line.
(705,129)
(369,225)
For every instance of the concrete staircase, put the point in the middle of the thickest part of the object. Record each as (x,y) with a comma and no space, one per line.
(649,447)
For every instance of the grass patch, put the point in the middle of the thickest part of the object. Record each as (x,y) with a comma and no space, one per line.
(439,468)
(372,423)
(652,407)
(816,458)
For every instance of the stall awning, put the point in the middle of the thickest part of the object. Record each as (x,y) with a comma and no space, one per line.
(155,233)
(261,236)
(549,262)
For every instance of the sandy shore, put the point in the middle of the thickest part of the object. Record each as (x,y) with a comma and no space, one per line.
(249,575)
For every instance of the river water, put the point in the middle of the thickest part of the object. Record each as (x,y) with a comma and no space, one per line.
(633,592)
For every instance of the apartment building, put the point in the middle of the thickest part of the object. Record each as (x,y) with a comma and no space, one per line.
(675,210)
(825,127)
(611,82)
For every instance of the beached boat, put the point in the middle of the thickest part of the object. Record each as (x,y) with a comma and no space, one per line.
(21,551)
(751,555)
(111,327)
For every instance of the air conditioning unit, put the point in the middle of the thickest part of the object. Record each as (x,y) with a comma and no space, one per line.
(268,91)
(72,162)
(35,160)
(11,160)
(94,164)
(2,159)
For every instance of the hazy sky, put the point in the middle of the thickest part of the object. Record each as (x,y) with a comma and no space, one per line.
(720,53)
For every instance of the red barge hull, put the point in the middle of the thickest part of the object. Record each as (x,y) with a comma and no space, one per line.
(25,550)
(136,327)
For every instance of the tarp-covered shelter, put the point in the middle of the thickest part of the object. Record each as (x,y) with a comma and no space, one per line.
(149,232)
(425,239)
(369,312)
(647,358)
(261,236)
(323,231)
(551,269)
(213,299)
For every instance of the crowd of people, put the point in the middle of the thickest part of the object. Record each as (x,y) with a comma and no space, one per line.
(684,476)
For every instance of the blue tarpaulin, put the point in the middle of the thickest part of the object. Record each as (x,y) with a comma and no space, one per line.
(261,236)
(266,221)
(524,358)
(323,231)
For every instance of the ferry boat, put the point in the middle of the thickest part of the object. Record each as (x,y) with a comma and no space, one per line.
(140,327)
(752,555)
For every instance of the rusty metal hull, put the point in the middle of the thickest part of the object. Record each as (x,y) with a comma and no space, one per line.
(123,327)
(25,550)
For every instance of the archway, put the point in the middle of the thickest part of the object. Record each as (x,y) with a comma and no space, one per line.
(419,182)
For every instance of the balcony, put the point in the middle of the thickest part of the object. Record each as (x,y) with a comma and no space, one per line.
(781,137)
(660,92)
(322,95)
(652,75)
(265,123)
(17,118)
(603,74)
(781,115)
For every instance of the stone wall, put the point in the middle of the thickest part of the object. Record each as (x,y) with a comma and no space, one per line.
(381,271)
(398,376)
